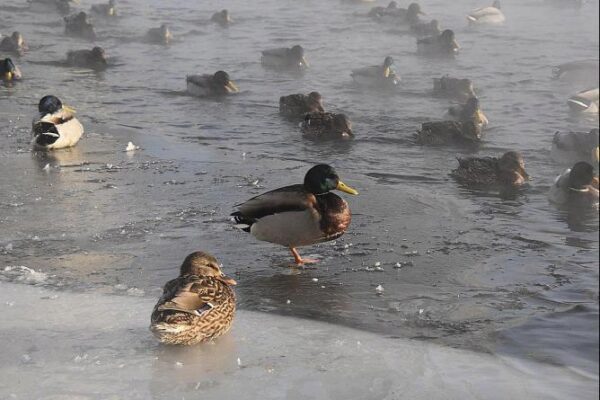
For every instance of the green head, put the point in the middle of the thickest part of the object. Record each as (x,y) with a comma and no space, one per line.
(322,179)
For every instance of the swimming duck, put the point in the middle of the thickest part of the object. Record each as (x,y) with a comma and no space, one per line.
(508,170)
(93,59)
(299,215)
(207,85)
(585,71)
(378,12)
(487,15)
(56,127)
(442,45)
(327,126)
(570,147)
(584,102)
(298,105)
(196,307)
(160,35)
(105,9)
(9,71)
(222,18)
(449,132)
(470,111)
(79,25)
(576,186)
(377,75)
(424,29)
(459,89)
(13,44)
(411,14)
(285,58)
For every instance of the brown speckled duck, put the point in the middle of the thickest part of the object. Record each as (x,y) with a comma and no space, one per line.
(506,171)
(93,59)
(197,306)
(449,132)
(460,89)
(298,105)
(79,25)
(327,126)
(14,44)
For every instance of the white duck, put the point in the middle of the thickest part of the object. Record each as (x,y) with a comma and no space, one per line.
(376,75)
(56,127)
(491,15)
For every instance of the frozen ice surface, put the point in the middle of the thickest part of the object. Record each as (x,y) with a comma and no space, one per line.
(96,346)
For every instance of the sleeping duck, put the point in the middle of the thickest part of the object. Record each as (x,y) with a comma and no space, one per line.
(576,186)
(285,58)
(222,18)
(470,111)
(93,59)
(299,215)
(79,25)
(55,127)
(105,9)
(9,71)
(487,15)
(207,85)
(506,171)
(459,89)
(160,35)
(377,75)
(196,307)
(442,45)
(584,71)
(585,102)
(570,147)
(13,44)
(449,132)
(298,105)
(326,126)
(424,29)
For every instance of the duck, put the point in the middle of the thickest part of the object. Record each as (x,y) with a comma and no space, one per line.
(207,85)
(424,29)
(56,126)
(299,215)
(470,111)
(9,71)
(506,171)
(570,147)
(378,12)
(327,126)
(491,15)
(298,105)
(285,58)
(105,9)
(79,25)
(576,186)
(586,71)
(377,75)
(222,18)
(196,307)
(393,13)
(449,132)
(14,44)
(160,35)
(584,102)
(442,45)
(460,89)
(92,59)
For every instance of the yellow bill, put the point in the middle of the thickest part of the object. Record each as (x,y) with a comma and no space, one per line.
(597,154)
(227,280)
(232,87)
(305,62)
(69,109)
(8,76)
(345,188)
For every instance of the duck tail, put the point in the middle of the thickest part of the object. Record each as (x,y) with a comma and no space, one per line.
(45,133)
(244,223)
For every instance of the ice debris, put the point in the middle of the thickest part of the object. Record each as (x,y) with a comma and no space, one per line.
(131,147)
(379,289)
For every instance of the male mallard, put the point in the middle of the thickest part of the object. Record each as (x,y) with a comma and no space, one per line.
(9,71)
(449,132)
(298,105)
(79,25)
(570,147)
(326,126)
(508,170)
(222,18)
(285,58)
(442,45)
(584,71)
(459,89)
(423,29)
(56,127)
(93,59)
(197,306)
(577,186)
(13,44)
(376,75)
(299,215)
(206,85)
(160,35)
(585,101)
(105,9)
(470,111)
(487,15)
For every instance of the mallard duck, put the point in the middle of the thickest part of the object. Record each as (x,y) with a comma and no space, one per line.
(298,105)
(577,185)
(222,18)
(442,45)
(160,35)
(492,15)
(206,85)
(299,215)
(470,111)
(585,102)
(196,307)
(13,44)
(93,59)
(377,75)
(105,9)
(79,25)
(56,127)
(393,13)
(449,132)
(570,147)
(424,29)
(508,170)
(285,58)
(459,89)
(327,126)
(378,12)
(9,71)
(585,71)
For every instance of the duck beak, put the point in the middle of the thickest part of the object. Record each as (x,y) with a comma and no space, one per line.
(8,76)
(342,187)
(227,280)
(386,72)
(232,87)
(455,45)
(596,154)
(304,62)
(69,109)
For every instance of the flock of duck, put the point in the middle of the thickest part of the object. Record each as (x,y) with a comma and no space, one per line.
(199,305)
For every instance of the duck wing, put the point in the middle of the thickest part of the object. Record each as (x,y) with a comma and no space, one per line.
(199,80)
(192,294)
(285,199)
(280,52)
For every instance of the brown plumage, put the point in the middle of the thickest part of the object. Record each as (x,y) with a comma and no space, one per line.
(298,105)
(325,125)
(449,132)
(508,170)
